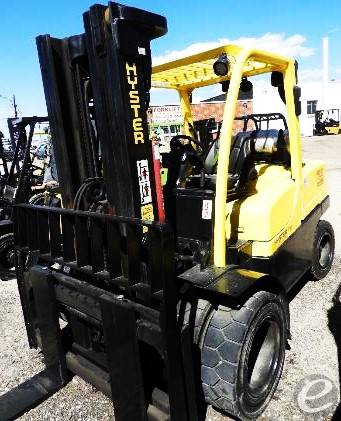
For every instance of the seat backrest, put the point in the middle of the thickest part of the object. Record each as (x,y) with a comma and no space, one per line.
(239,148)
(248,148)
(211,158)
(240,151)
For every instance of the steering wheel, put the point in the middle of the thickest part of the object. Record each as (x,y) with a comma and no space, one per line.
(175,141)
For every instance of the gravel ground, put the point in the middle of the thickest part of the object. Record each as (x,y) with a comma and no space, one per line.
(313,349)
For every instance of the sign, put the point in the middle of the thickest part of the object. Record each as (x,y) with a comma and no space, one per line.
(167,114)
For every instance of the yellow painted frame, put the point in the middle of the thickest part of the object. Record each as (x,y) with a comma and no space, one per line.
(192,72)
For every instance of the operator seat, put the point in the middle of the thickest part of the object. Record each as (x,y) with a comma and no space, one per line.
(240,151)
(247,149)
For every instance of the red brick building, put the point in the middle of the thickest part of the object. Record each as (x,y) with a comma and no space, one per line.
(209,108)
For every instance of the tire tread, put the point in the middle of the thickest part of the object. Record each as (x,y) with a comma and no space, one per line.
(222,394)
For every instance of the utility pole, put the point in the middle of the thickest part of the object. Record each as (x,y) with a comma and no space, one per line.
(15,107)
(325,48)
(13,103)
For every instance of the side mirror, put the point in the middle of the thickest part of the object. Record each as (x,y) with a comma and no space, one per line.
(297,100)
(278,82)
(277,79)
(296,70)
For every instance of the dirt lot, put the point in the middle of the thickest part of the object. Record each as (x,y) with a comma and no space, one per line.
(313,349)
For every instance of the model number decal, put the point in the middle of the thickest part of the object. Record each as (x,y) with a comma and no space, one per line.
(320,177)
(283,235)
(134,100)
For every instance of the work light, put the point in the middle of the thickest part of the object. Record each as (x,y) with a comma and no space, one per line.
(221,65)
(245,85)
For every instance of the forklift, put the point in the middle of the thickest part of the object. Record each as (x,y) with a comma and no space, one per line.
(21,181)
(165,299)
(327,122)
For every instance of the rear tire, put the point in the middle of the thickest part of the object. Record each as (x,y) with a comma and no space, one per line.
(323,250)
(243,354)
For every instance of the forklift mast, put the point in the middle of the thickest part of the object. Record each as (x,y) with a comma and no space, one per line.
(97,93)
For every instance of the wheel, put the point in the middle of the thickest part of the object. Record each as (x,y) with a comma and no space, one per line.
(7,251)
(194,315)
(37,199)
(323,250)
(243,354)
(45,199)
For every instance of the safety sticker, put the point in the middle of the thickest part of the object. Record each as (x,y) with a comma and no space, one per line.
(144,181)
(147,212)
(206,212)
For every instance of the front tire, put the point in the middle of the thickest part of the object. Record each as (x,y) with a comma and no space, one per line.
(7,251)
(7,254)
(243,353)
(323,250)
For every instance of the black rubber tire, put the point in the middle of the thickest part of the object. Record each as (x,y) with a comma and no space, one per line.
(7,251)
(44,199)
(323,250)
(231,345)
(37,199)
(194,314)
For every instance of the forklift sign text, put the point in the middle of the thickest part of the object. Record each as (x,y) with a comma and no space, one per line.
(134,100)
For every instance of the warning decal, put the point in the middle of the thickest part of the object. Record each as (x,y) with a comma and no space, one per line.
(206,212)
(147,212)
(144,181)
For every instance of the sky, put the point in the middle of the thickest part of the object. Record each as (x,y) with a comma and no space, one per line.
(293,27)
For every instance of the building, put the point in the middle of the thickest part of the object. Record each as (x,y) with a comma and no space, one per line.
(167,120)
(314,96)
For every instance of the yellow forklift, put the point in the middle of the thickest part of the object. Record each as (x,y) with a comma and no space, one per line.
(171,298)
(327,122)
